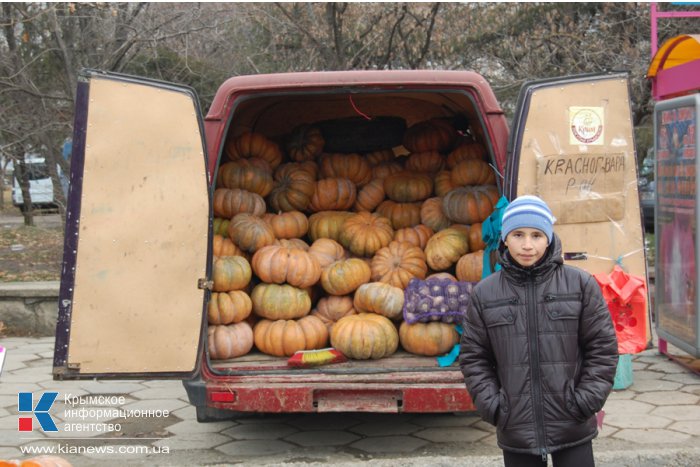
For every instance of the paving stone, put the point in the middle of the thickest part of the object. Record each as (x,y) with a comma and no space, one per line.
(648,375)
(324,421)
(654,385)
(7,388)
(384,417)
(186,413)
(639,365)
(32,348)
(678,412)
(607,431)
(625,394)
(322,438)
(255,447)
(490,440)
(444,420)
(3,413)
(389,444)
(9,436)
(14,356)
(260,431)
(684,378)
(193,426)
(692,427)
(8,421)
(635,420)
(385,428)
(160,383)
(667,367)
(193,441)
(627,406)
(651,436)
(163,392)
(667,398)
(156,404)
(483,426)
(110,387)
(11,366)
(692,389)
(8,401)
(130,452)
(35,374)
(10,453)
(452,434)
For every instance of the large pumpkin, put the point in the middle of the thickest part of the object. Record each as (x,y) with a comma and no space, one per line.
(417,235)
(446,247)
(398,263)
(354,167)
(385,169)
(408,187)
(429,339)
(250,145)
(331,308)
(274,301)
(294,188)
(377,157)
(364,233)
(431,214)
(425,162)
(223,246)
(327,251)
(381,298)
(370,196)
(470,266)
(476,241)
(230,273)
(221,225)
(37,461)
(336,194)
(292,243)
(229,307)
(229,202)
(250,233)
(364,336)
(443,183)
(473,172)
(282,338)
(345,276)
(465,151)
(327,224)
(470,204)
(430,135)
(246,176)
(305,143)
(278,264)
(401,215)
(291,224)
(229,341)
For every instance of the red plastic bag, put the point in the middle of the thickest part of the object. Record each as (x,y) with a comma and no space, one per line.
(626,295)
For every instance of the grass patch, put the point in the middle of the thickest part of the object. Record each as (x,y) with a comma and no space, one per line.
(30,254)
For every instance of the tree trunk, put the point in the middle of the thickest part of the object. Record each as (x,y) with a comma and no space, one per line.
(23,178)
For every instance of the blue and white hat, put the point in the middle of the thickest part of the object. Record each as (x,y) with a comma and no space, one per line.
(527,211)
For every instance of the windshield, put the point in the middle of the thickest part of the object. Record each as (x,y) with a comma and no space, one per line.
(37,171)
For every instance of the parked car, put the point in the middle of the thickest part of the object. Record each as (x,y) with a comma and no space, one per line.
(40,183)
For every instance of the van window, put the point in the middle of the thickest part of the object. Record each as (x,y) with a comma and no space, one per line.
(37,171)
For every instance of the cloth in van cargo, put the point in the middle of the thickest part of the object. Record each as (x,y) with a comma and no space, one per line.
(442,300)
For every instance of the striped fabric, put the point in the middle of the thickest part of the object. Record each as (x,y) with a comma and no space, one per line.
(527,211)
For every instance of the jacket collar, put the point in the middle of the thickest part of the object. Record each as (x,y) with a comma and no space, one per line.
(540,271)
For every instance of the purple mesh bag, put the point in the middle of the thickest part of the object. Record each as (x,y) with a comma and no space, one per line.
(436,300)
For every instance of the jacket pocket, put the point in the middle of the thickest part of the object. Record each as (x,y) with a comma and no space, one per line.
(500,316)
(563,306)
(503,410)
(571,405)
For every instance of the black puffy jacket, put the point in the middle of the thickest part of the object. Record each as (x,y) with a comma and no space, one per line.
(539,353)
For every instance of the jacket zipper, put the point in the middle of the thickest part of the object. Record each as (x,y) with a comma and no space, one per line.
(562,297)
(506,301)
(535,365)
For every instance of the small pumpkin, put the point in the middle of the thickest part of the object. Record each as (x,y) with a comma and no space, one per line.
(472,172)
(223,246)
(294,188)
(365,336)
(476,241)
(305,143)
(230,273)
(430,135)
(229,341)
(354,167)
(446,247)
(365,233)
(417,235)
(229,202)
(345,276)
(470,266)
(466,151)
(385,169)
(246,176)
(425,162)
(327,224)
(470,204)
(277,264)
(229,307)
(429,339)
(398,263)
(327,251)
(443,183)
(401,215)
(250,233)
(431,214)
(282,338)
(273,301)
(370,196)
(292,243)
(381,298)
(332,307)
(333,194)
(221,226)
(408,187)
(290,224)
(250,145)
(442,275)
(375,158)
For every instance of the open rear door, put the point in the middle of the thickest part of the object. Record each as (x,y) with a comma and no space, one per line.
(572,144)
(137,232)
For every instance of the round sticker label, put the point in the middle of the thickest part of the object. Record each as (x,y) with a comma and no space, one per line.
(586,125)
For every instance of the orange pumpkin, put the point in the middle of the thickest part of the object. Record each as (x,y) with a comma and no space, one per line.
(331,308)
(364,233)
(282,338)
(229,202)
(278,264)
(470,204)
(250,233)
(417,235)
(229,307)
(429,339)
(446,247)
(476,241)
(401,215)
(466,151)
(230,273)
(443,183)
(246,176)
(431,135)
(292,243)
(229,341)
(431,214)
(223,246)
(472,172)
(354,167)
(327,224)
(293,190)
(291,224)
(370,196)
(273,301)
(327,251)
(333,194)
(345,276)
(305,143)
(470,266)
(408,187)
(385,169)
(381,298)
(250,145)
(377,157)
(37,461)
(364,336)
(442,275)
(398,263)
(221,226)
(425,162)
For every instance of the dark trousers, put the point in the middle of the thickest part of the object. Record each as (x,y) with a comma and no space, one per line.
(577,456)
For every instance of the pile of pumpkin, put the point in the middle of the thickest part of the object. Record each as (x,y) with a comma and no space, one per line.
(312,248)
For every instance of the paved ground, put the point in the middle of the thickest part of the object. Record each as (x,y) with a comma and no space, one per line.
(654,422)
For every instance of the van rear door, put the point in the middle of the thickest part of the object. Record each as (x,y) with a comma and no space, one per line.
(572,144)
(137,232)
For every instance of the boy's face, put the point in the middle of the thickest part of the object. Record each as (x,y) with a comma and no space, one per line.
(526,245)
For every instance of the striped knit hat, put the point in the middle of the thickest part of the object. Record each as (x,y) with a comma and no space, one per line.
(527,211)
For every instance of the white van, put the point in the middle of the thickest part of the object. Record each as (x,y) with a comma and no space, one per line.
(40,183)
